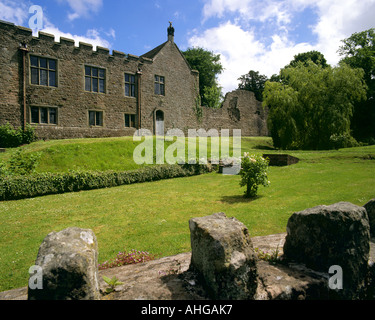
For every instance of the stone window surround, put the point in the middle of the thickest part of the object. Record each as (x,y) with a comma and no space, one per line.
(161,84)
(41,123)
(88,118)
(56,70)
(130,84)
(105,78)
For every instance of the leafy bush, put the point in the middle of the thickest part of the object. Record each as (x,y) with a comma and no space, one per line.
(345,140)
(11,137)
(14,187)
(253,172)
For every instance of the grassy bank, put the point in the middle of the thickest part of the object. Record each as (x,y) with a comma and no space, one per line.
(154,216)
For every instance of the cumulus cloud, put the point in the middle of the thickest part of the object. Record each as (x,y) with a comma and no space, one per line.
(13,11)
(92,36)
(244,45)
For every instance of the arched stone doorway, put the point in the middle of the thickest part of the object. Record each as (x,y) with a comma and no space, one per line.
(159,123)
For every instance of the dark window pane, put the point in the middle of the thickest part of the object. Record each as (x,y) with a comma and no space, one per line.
(43,77)
(34,61)
(101,73)
(132,118)
(157,88)
(162,89)
(127,89)
(95,85)
(87,71)
(156,78)
(52,116)
(101,85)
(34,76)
(92,118)
(127,77)
(161,79)
(99,118)
(88,84)
(34,115)
(132,79)
(43,115)
(52,78)
(52,64)
(133,91)
(127,121)
(94,72)
(43,63)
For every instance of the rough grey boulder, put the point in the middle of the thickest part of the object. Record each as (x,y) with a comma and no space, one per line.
(335,235)
(69,264)
(370,208)
(223,257)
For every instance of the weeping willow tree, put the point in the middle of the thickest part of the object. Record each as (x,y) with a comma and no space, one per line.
(313,105)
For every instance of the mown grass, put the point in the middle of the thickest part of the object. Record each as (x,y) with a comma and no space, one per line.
(154,216)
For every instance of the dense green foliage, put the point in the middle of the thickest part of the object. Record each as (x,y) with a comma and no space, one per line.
(358,51)
(312,107)
(209,66)
(14,187)
(11,137)
(254,172)
(254,82)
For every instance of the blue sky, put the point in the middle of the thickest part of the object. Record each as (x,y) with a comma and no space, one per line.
(248,34)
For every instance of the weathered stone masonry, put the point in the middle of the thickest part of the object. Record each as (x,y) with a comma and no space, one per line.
(44,83)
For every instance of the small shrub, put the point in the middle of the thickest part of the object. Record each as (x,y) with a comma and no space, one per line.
(254,172)
(125,258)
(12,138)
(345,140)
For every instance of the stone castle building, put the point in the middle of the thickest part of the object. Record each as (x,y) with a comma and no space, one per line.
(68,91)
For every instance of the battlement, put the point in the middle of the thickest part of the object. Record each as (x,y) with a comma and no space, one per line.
(10,27)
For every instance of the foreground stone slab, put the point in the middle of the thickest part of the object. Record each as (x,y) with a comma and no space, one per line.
(69,263)
(169,278)
(223,257)
(335,235)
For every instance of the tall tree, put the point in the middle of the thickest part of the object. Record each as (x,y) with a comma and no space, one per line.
(314,56)
(358,51)
(209,66)
(254,82)
(313,109)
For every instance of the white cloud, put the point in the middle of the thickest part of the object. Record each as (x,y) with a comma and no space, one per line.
(13,11)
(92,36)
(82,8)
(241,52)
(243,46)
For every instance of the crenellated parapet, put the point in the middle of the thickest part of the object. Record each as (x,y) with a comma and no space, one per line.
(26,35)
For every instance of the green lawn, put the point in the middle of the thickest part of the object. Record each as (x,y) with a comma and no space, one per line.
(154,216)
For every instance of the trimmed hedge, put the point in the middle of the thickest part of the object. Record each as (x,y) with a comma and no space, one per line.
(40,184)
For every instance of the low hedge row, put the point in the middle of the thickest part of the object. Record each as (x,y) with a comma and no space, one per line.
(40,184)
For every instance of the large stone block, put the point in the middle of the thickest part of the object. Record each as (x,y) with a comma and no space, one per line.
(335,235)
(223,257)
(370,208)
(69,264)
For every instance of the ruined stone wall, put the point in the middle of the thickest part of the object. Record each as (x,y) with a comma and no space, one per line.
(240,110)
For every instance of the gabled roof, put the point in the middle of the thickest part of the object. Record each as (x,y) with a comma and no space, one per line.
(154,52)
(151,54)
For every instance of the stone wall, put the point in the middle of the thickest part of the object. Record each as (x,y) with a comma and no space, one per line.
(240,110)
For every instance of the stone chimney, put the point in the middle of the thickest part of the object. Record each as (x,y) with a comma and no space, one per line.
(170,32)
